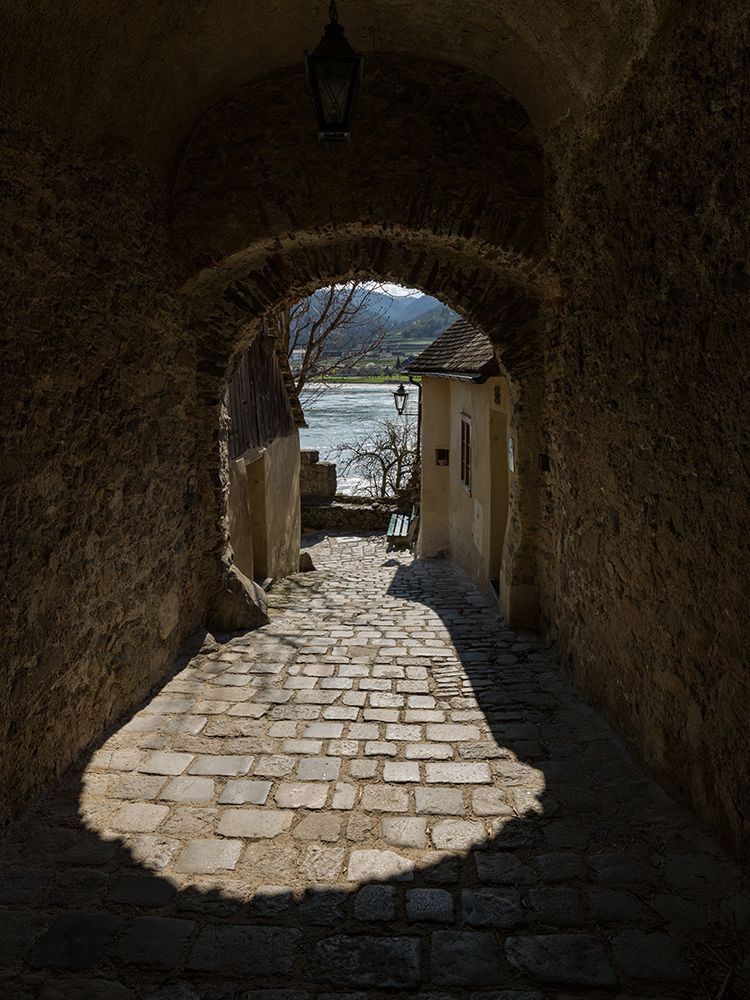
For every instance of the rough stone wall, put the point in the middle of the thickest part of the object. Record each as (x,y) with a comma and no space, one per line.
(645,538)
(347,514)
(317,480)
(104,539)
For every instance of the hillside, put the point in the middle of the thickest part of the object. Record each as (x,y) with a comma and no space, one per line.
(411,321)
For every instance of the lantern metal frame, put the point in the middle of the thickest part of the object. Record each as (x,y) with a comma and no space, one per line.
(400,396)
(335,50)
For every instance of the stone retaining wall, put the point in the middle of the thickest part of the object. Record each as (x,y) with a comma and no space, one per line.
(348,513)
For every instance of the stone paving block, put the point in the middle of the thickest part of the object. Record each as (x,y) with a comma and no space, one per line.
(138,817)
(324,730)
(275,765)
(302,746)
(141,890)
(207,856)
(245,950)
(360,827)
(370,962)
(380,714)
(560,906)
(323,907)
(345,713)
(223,764)
(76,940)
(153,851)
(136,786)
(439,801)
(421,701)
(429,905)
(490,802)
(405,831)
(515,995)
(283,730)
(561,959)
(248,710)
(363,731)
(402,771)
(299,683)
(363,768)
(322,827)
(21,887)
(508,832)
(429,751)
(501,869)
(452,733)
(343,748)
(272,900)
(458,834)
(450,773)
(242,791)
(322,864)
(254,823)
(491,907)
(374,684)
(20,930)
(464,958)
(344,796)
(77,889)
(355,698)
(156,941)
(403,733)
(338,684)
(375,903)
(380,699)
(379,748)
(422,715)
(379,866)
(165,762)
(191,820)
(186,788)
(318,769)
(385,798)
(650,956)
(301,795)
(613,906)
(560,866)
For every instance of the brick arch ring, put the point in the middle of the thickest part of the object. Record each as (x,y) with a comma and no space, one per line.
(507,296)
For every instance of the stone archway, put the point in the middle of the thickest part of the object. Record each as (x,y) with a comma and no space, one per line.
(498,294)
(258,225)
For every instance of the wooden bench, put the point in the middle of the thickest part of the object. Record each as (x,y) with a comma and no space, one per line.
(401,529)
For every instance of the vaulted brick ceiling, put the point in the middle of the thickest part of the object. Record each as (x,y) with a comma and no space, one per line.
(157,65)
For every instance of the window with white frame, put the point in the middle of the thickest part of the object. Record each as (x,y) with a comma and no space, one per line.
(466,451)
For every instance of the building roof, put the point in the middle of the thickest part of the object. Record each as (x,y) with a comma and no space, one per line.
(459,352)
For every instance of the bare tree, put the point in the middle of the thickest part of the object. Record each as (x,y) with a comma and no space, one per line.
(385,458)
(330,330)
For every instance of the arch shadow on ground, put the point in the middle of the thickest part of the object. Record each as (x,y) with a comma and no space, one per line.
(535,859)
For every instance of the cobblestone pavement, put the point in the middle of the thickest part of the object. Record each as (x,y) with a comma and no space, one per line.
(382,792)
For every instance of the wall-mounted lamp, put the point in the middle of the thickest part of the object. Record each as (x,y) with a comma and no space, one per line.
(399,398)
(334,70)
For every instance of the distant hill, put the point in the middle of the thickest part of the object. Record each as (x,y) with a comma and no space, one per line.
(411,321)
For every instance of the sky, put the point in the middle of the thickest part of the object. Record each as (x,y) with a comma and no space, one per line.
(397,291)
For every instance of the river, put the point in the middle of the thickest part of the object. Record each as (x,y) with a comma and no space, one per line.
(346,411)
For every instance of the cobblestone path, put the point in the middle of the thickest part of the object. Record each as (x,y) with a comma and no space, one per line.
(382,792)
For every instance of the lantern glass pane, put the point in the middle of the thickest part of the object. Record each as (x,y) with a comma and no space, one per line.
(334,82)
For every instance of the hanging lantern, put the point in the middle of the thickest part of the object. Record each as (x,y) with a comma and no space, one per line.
(399,398)
(334,70)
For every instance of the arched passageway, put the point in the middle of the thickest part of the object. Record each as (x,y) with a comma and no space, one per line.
(570,178)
